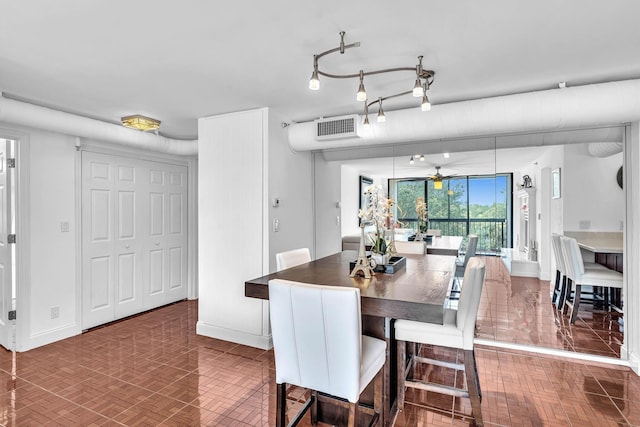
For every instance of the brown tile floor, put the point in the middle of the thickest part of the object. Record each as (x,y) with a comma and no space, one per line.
(518,310)
(153,370)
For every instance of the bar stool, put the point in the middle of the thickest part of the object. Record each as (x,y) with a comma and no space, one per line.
(579,275)
(318,345)
(292,258)
(560,291)
(457,332)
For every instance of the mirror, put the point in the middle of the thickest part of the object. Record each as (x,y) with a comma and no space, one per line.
(587,162)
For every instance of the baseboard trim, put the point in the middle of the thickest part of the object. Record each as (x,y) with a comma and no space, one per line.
(553,352)
(48,337)
(212,331)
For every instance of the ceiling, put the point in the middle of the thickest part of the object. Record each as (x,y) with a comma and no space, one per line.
(178,61)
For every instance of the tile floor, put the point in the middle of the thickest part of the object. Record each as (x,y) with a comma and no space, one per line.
(518,310)
(153,370)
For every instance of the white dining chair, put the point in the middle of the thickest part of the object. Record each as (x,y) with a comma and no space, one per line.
(318,345)
(292,258)
(470,252)
(403,247)
(579,275)
(457,332)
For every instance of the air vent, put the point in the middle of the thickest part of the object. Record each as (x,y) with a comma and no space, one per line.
(337,127)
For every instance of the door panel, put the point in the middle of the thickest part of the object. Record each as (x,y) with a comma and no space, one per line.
(100,290)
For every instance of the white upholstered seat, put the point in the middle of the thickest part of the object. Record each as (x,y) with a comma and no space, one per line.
(457,332)
(292,258)
(579,274)
(318,344)
(403,247)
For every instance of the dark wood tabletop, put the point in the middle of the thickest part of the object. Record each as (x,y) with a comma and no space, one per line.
(416,292)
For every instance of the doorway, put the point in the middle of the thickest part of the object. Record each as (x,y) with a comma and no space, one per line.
(7,244)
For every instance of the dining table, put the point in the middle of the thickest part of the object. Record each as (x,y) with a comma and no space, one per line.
(416,291)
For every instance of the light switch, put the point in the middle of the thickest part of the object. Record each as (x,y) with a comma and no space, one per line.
(276,225)
(64,227)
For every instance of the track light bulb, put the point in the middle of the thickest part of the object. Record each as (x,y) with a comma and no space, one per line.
(422,157)
(362,93)
(314,82)
(426,105)
(381,117)
(411,160)
(417,89)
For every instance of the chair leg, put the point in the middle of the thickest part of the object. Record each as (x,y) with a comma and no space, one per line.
(563,293)
(555,297)
(281,404)
(353,414)
(401,364)
(314,408)
(576,304)
(377,397)
(473,384)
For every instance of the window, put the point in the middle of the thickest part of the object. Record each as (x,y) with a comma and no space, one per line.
(465,205)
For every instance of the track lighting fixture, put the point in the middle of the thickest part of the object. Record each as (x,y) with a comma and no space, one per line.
(362,93)
(411,160)
(381,117)
(422,157)
(424,79)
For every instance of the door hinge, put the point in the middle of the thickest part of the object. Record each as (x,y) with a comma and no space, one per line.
(11,238)
(11,163)
(12,315)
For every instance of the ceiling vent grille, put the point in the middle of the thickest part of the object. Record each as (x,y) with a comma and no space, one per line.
(337,127)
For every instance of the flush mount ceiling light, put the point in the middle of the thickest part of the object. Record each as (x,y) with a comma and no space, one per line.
(140,122)
(423,80)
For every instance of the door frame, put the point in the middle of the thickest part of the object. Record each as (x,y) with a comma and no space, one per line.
(23,234)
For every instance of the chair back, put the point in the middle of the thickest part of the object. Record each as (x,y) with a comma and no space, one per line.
(317,336)
(557,253)
(292,258)
(470,252)
(403,247)
(434,232)
(469,301)
(572,259)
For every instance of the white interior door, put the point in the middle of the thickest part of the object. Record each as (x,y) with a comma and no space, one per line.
(134,234)
(6,295)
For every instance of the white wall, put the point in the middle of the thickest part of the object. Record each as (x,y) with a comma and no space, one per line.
(590,191)
(349,200)
(244,162)
(290,180)
(327,184)
(52,267)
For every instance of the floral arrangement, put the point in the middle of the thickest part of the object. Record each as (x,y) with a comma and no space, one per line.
(421,210)
(379,213)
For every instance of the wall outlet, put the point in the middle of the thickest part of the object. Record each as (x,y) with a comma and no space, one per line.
(584,224)
(64,227)
(55,312)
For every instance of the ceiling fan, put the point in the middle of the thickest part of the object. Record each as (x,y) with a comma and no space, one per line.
(437,178)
